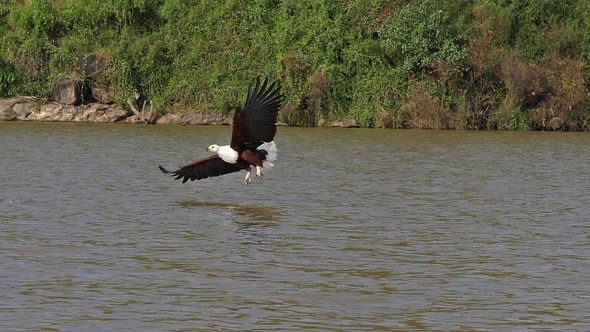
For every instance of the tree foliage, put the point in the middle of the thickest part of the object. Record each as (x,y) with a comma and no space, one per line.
(476,64)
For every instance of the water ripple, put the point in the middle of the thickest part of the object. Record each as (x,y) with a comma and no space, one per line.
(360,230)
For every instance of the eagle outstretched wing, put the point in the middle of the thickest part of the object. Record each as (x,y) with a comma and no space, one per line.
(204,168)
(256,122)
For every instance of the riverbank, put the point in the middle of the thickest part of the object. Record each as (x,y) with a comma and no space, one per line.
(425,64)
(35,109)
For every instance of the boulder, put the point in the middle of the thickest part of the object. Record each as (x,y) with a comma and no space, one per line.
(101,95)
(67,91)
(93,68)
(91,65)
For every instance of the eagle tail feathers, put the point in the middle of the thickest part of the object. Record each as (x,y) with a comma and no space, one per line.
(271,153)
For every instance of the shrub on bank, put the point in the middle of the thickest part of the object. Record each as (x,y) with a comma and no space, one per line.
(511,65)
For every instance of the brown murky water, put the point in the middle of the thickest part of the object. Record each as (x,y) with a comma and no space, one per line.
(353,230)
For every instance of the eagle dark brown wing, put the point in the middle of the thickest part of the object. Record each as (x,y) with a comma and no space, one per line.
(204,168)
(256,122)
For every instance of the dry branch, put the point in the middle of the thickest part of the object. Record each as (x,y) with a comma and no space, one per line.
(146,117)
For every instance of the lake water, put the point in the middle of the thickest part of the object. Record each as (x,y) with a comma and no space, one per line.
(353,230)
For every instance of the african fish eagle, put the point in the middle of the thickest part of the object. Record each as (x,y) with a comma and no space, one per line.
(252,141)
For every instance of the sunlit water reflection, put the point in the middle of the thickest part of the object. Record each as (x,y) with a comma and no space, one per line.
(359,230)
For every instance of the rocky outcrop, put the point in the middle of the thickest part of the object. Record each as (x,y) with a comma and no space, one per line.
(208,117)
(97,72)
(84,95)
(17,108)
(171,119)
(88,82)
(31,109)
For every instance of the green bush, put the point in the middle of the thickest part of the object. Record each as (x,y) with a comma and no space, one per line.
(6,80)
(420,34)
(360,60)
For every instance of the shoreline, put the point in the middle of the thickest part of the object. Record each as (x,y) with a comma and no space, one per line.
(33,109)
(37,110)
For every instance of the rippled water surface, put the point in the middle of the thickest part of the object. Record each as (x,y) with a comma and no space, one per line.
(353,230)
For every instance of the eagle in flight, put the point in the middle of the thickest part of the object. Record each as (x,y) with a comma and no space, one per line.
(252,141)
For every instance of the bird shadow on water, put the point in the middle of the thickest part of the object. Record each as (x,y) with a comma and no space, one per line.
(247,215)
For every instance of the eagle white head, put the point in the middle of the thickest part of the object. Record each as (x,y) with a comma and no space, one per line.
(213,148)
(225,152)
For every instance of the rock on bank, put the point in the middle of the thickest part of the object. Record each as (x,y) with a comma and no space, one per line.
(31,109)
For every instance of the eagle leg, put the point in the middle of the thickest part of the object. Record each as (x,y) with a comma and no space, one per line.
(247,179)
(259,172)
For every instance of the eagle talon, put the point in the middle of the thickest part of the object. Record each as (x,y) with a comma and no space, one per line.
(259,172)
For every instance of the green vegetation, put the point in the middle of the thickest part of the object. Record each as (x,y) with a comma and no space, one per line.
(464,64)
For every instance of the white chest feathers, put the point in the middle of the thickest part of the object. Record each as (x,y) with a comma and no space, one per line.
(228,154)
